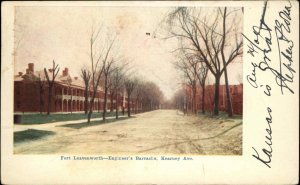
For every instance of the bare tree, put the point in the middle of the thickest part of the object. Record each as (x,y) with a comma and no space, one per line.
(130,84)
(151,96)
(54,71)
(202,75)
(137,95)
(117,85)
(235,52)
(107,69)
(207,37)
(117,78)
(178,100)
(96,68)
(112,91)
(96,71)
(86,76)
(189,67)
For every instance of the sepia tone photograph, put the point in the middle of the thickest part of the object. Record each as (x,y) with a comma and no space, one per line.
(128,80)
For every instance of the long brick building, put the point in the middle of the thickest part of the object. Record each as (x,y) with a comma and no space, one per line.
(67,96)
(236,92)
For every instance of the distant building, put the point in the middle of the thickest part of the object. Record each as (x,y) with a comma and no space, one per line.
(67,95)
(236,92)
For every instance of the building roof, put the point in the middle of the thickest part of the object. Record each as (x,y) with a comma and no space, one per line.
(61,78)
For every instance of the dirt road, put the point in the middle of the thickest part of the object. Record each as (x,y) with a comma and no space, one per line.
(156,132)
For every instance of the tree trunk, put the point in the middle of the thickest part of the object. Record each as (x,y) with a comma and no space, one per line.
(99,104)
(105,99)
(228,95)
(111,102)
(90,113)
(86,100)
(117,105)
(203,99)
(128,106)
(140,108)
(105,104)
(186,103)
(217,95)
(136,106)
(194,101)
(91,109)
(229,103)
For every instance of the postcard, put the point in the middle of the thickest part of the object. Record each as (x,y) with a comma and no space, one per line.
(161,92)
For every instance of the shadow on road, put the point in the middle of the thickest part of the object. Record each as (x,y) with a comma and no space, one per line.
(37,119)
(93,123)
(30,134)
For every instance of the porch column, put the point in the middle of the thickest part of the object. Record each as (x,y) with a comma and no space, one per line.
(62,99)
(71,100)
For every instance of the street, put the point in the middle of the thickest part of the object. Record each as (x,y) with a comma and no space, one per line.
(156,132)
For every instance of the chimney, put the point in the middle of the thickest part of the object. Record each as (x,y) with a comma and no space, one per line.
(66,71)
(27,71)
(64,74)
(31,67)
(76,78)
(20,73)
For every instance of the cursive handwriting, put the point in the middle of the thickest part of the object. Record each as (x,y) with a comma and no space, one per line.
(252,78)
(266,152)
(260,48)
(285,48)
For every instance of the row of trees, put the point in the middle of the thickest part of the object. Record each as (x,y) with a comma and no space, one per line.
(148,95)
(195,72)
(209,40)
(141,95)
(112,74)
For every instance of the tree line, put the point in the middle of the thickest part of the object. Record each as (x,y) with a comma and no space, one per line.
(110,73)
(209,40)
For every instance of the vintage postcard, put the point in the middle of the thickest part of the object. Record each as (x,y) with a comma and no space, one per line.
(136,92)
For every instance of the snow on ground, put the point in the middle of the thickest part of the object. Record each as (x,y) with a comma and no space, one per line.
(156,132)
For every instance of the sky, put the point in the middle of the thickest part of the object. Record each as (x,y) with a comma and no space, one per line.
(44,34)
